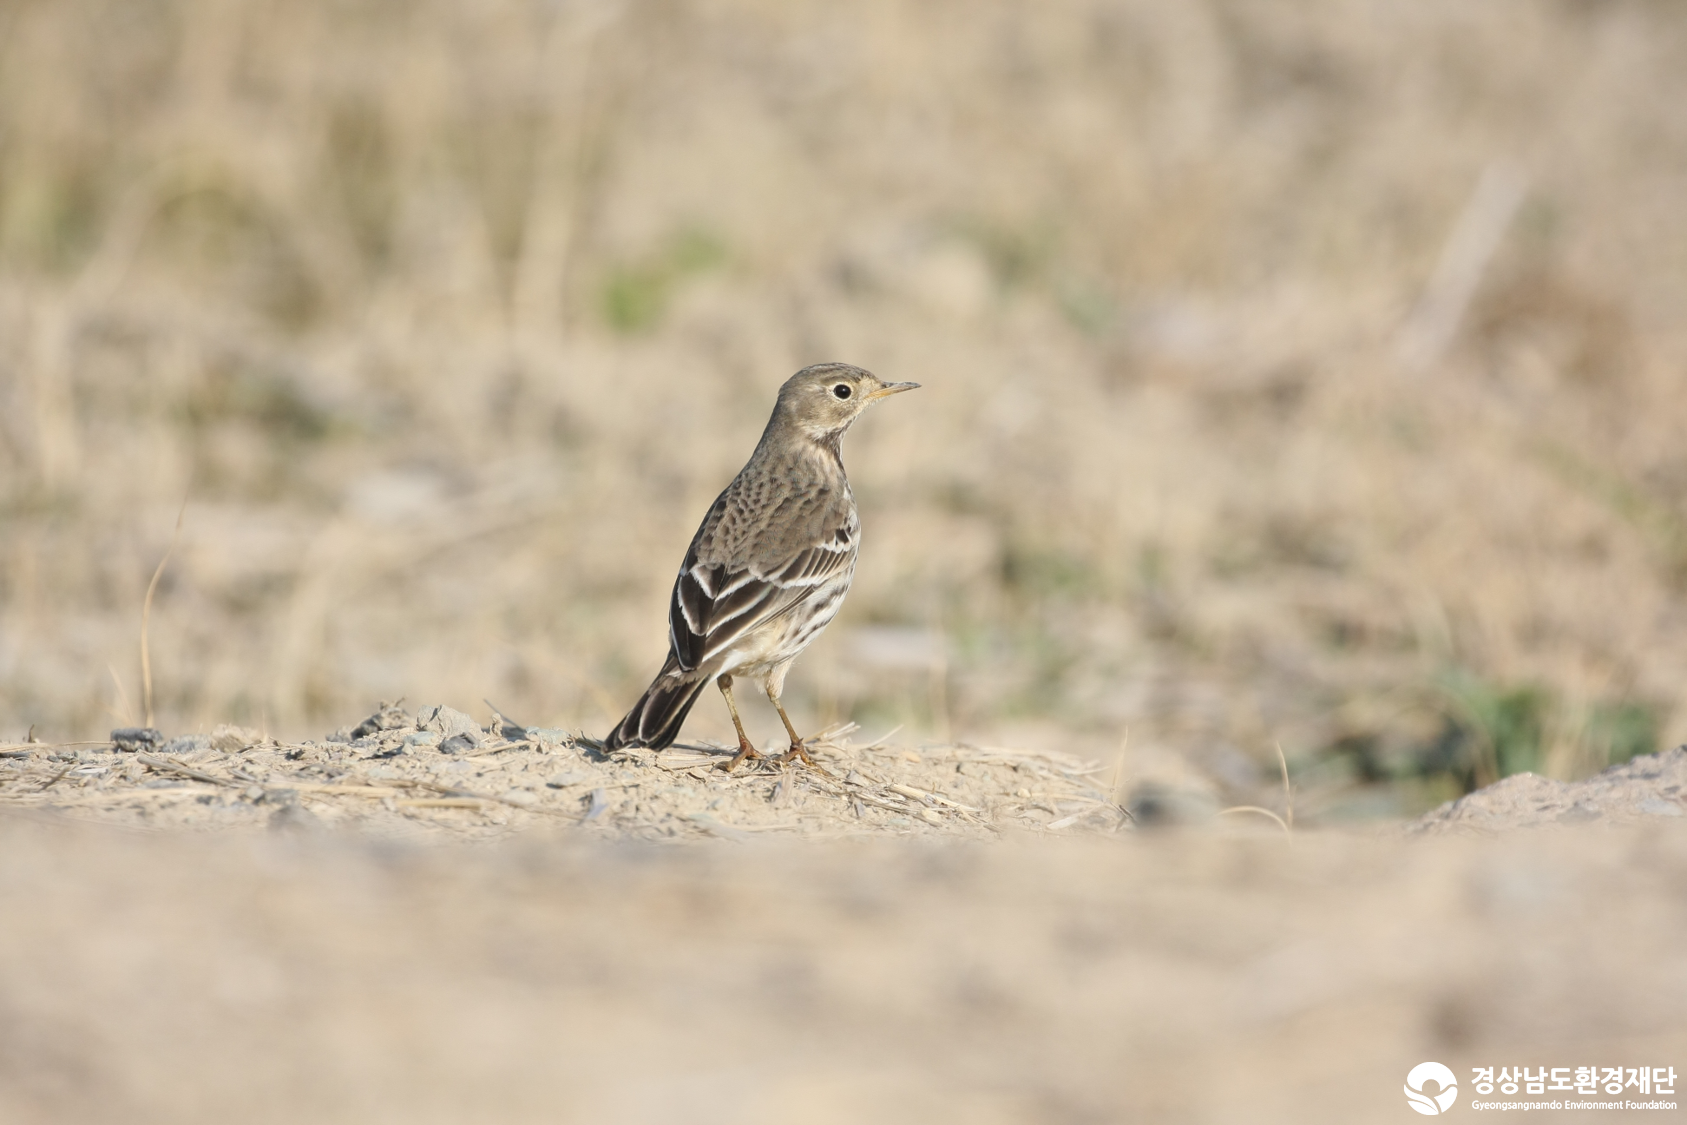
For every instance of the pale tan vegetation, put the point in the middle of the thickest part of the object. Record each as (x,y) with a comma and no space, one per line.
(1294,372)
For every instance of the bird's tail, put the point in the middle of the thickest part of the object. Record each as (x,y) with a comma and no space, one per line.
(655,719)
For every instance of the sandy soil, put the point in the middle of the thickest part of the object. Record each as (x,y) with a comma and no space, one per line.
(1646,788)
(361,959)
(437,775)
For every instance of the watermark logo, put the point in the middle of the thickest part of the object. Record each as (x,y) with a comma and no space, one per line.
(1446,1087)
(1557,1083)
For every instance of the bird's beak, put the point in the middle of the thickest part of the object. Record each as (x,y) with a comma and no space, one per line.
(889,389)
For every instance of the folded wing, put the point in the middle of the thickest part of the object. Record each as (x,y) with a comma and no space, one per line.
(714,606)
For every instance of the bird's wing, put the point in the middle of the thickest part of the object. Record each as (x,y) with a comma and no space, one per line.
(715,603)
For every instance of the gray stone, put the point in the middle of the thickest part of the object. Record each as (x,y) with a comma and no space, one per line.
(389,716)
(457,744)
(448,723)
(550,739)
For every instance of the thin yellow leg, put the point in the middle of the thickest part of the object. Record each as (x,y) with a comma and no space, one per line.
(745,750)
(796,742)
(796,751)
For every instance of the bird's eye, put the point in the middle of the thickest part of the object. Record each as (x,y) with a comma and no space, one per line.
(841,390)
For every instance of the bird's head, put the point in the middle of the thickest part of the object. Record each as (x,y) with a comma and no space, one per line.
(823,400)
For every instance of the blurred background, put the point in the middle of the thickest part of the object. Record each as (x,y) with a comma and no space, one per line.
(1296,374)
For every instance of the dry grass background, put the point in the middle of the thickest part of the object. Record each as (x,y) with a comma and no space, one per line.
(450,319)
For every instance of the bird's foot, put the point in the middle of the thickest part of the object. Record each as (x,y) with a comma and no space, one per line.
(745,751)
(797,753)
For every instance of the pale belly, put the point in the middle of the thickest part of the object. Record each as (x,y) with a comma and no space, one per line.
(769,649)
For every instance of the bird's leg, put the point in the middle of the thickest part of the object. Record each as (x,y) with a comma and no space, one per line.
(797,752)
(745,750)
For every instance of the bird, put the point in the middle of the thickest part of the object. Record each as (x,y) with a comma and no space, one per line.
(769,566)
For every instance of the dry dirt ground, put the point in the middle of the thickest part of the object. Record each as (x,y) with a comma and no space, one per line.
(374,930)
(439,775)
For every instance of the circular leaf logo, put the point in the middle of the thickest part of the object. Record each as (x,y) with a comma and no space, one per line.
(1446,1085)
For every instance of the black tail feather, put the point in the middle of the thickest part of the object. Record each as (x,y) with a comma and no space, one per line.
(655,720)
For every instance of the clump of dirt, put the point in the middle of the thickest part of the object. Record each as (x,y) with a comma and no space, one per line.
(1646,788)
(439,773)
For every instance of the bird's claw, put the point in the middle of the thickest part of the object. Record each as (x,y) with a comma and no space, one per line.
(745,751)
(797,753)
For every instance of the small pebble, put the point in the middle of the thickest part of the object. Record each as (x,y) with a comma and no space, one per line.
(137,738)
(448,723)
(550,739)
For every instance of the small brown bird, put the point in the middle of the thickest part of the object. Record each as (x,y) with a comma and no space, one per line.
(769,566)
